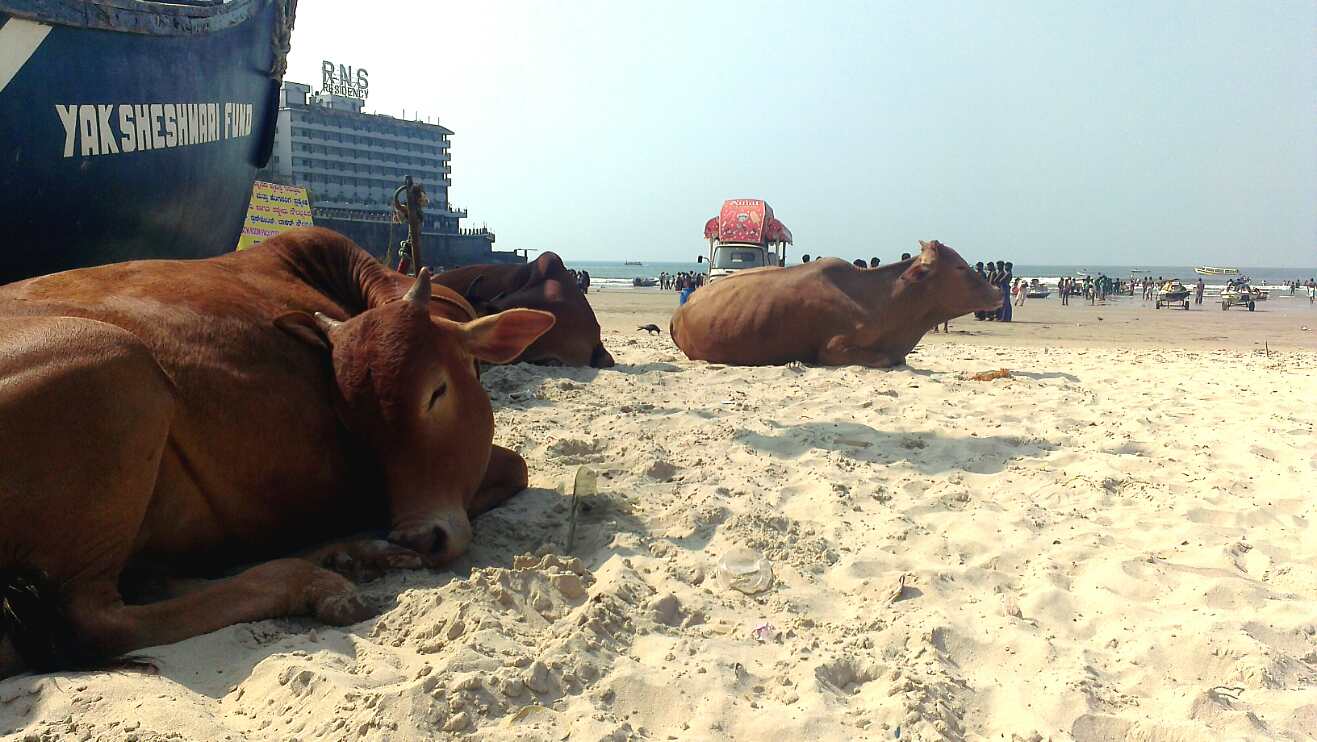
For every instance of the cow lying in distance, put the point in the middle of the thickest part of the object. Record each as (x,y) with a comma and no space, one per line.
(191,416)
(541,284)
(829,312)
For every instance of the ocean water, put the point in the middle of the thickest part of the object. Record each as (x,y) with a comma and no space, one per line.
(616,274)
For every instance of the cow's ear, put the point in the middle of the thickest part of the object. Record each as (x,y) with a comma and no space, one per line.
(916,272)
(923,265)
(314,331)
(500,338)
(928,252)
(546,266)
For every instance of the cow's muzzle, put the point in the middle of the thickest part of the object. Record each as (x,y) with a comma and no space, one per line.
(601,358)
(440,538)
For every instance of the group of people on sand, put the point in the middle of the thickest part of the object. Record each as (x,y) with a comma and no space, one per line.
(1088,288)
(684,283)
(582,279)
(1002,275)
(680,281)
(1310,286)
(1093,288)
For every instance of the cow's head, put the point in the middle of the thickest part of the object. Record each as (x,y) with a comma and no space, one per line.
(949,285)
(407,389)
(546,284)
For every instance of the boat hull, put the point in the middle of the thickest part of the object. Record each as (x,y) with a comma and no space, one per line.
(129,144)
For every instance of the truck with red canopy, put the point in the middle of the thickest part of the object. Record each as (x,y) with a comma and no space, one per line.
(745,234)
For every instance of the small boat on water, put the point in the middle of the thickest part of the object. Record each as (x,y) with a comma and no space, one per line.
(1207,270)
(133,128)
(644,282)
(633,262)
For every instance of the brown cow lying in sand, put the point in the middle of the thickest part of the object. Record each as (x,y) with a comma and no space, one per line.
(194,416)
(830,312)
(541,284)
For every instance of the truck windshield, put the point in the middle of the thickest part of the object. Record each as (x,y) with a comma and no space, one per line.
(738,257)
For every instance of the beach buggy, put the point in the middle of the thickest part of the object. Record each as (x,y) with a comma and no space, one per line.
(1238,295)
(1172,294)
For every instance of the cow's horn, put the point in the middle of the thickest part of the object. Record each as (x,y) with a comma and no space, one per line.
(419,293)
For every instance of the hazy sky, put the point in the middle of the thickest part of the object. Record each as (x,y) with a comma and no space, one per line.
(1159,133)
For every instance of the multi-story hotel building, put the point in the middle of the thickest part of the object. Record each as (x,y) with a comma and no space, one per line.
(351,163)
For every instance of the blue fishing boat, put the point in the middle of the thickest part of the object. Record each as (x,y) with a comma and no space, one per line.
(133,129)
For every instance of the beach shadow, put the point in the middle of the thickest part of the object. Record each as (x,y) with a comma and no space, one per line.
(928,451)
(575,373)
(644,368)
(1040,375)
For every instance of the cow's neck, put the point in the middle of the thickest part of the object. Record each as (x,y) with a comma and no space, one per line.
(904,317)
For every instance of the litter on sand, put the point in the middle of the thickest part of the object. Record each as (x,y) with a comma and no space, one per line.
(1000,373)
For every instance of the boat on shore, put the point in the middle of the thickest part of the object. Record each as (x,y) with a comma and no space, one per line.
(1207,270)
(133,129)
(633,262)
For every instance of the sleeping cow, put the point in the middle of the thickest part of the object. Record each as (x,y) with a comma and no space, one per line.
(541,284)
(829,312)
(186,417)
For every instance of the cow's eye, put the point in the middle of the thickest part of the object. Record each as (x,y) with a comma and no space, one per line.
(441,391)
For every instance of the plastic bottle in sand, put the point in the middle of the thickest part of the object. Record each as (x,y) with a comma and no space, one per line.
(745,570)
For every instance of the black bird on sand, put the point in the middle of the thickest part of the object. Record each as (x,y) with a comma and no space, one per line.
(653,329)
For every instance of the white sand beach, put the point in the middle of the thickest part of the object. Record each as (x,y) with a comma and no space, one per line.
(1116,542)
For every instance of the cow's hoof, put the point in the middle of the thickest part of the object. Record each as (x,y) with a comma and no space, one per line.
(363,561)
(343,609)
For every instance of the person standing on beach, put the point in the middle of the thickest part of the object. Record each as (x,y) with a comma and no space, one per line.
(804,258)
(904,256)
(1021,292)
(874,262)
(1198,292)
(978,268)
(1008,315)
(1004,281)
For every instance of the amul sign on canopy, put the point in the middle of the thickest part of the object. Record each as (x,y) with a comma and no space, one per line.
(342,80)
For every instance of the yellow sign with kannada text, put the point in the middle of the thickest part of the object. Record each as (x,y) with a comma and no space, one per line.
(274,209)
